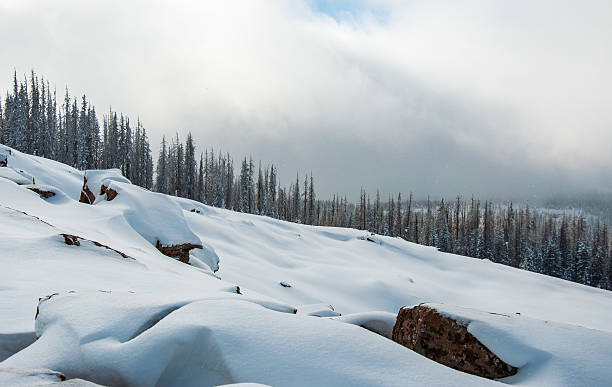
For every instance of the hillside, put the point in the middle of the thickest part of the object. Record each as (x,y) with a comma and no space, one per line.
(262,301)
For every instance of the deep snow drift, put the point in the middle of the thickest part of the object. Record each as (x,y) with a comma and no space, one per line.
(264,301)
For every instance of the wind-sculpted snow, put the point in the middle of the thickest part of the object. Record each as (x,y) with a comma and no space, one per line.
(16,176)
(45,171)
(151,319)
(154,216)
(546,352)
(378,322)
(95,180)
(215,341)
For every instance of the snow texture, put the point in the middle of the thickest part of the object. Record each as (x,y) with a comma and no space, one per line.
(151,320)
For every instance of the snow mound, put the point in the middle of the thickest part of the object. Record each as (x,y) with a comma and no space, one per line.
(546,352)
(49,193)
(318,310)
(29,377)
(142,342)
(44,171)
(17,176)
(95,179)
(381,323)
(154,216)
(205,257)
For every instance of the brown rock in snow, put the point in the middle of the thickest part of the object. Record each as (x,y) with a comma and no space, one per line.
(110,193)
(43,193)
(73,240)
(86,195)
(177,251)
(447,341)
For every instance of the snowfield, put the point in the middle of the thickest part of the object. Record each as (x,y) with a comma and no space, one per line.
(264,301)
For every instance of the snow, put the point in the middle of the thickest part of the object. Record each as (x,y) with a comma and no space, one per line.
(58,197)
(154,216)
(212,341)
(205,258)
(98,177)
(546,352)
(16,176)
(227,318)
(44,171)
(377,321)
(339,267)
(32,377)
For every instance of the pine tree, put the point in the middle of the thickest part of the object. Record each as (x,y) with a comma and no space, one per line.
(272,203)
(83,137)
(398,217)
(190,168)
(244,205)
(260,192)
(442,233)
(390,226)
(311,202)
(295,217)
(34,119)
(161,180)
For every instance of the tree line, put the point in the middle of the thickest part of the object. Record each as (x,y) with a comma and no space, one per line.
(31,121)
(568,246)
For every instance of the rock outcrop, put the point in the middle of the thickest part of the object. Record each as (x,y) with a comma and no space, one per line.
(95,180)
(86,195)
(180,251)
(44,193)
(73,240)
(447,341)
(110,193)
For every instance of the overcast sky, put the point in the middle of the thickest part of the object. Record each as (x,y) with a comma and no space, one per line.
(500,98)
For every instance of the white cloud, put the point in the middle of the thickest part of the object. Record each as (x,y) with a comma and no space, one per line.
(441,97)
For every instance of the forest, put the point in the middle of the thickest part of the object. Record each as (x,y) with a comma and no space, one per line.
(568,245)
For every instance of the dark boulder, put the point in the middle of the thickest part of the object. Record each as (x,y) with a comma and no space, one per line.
(86,195)
(110,193)
(180,251)
(45,194)
(447,341)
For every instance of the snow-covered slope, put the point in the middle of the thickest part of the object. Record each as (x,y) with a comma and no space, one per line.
(121,313)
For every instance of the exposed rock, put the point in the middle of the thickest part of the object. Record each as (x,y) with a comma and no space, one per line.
(285,284)
(86,195)
(73,240)
(177,251)
(45,194)
(100,179)
(447,341)
(110,193)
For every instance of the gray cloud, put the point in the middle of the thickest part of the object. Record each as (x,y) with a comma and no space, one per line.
(494,98)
